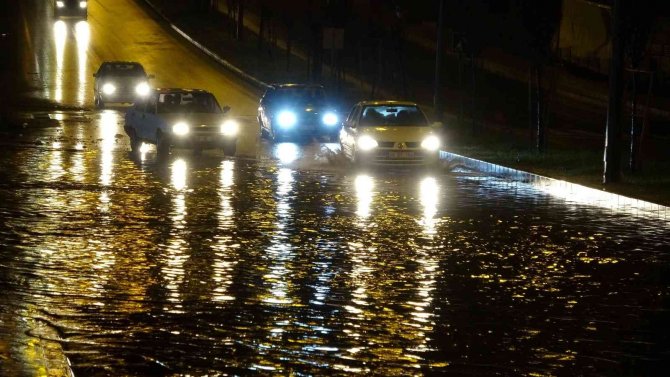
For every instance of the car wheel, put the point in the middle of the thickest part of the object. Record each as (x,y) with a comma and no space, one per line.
(264,133)
(229,148)
(276,137)
(162,146)
(135,142)
(343,150)
(99,103)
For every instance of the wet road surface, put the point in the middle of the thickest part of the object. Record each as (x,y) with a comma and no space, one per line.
(285,260)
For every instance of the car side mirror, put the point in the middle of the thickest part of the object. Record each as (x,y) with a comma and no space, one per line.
(151,77)
(437,125)
(226,109)
(95,75)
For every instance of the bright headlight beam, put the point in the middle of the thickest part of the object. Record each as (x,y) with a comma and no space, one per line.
(230,128)
(109,88)
(181,129)
(287,119)
(330,119)
(431,143)
(366,143)
(142,89)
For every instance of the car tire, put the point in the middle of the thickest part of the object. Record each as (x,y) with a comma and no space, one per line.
(99,103)
(162,146)
(229,148)
(263,132)
(276,137)
(135,142)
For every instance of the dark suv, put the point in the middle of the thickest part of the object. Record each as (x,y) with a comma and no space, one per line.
(120,82)
(291,111)
(71,8)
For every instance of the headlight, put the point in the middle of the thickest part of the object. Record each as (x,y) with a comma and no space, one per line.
(181,129)
(431,143)
(109,89)
(83,4)
(230,128)
(60,4)
(287,119)
(142,89)
(330,119)
(366,143)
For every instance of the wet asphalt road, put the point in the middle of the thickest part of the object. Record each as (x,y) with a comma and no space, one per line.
(285,260)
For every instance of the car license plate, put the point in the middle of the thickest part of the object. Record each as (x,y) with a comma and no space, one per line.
(204,139)
(401,155)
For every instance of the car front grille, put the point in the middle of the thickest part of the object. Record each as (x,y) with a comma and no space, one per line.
(207,129)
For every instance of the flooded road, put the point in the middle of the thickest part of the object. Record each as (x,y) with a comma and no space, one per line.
(292,264)
(286,260)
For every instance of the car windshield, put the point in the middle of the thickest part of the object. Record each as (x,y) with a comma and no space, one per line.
(187,102)
(123,69)
(301,94)
(393,116)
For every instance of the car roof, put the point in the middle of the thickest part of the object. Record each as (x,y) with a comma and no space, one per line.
(387,103)
(120,62)
(293,85)
(179,90)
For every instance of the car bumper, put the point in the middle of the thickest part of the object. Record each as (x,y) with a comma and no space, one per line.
(124,97)
(308,130)
(70,13)
(395,157)
(202,141)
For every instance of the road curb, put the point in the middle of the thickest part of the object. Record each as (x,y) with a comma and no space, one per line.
(570,192)
(223,62)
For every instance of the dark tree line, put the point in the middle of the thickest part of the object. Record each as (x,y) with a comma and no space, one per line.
(524,28)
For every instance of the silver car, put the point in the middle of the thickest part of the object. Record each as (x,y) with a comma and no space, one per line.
(181,118)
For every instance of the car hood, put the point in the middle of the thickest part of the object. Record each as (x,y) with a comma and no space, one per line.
(194,119)
(315,108)
(124,80)
(397,134)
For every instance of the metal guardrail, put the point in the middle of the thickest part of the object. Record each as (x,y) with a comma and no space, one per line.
(223,62)
(570,192)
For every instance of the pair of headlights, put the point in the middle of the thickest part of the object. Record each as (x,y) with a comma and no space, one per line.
(288,119)
(228,128)
(367,143)
(82,4)
(142,89)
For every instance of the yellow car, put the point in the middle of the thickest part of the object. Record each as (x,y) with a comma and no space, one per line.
(390,133)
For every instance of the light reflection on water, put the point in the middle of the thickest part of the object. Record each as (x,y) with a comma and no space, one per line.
(60,38)
(280,251)
(225,252)
(177,247)
(83,36)
(254,267)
